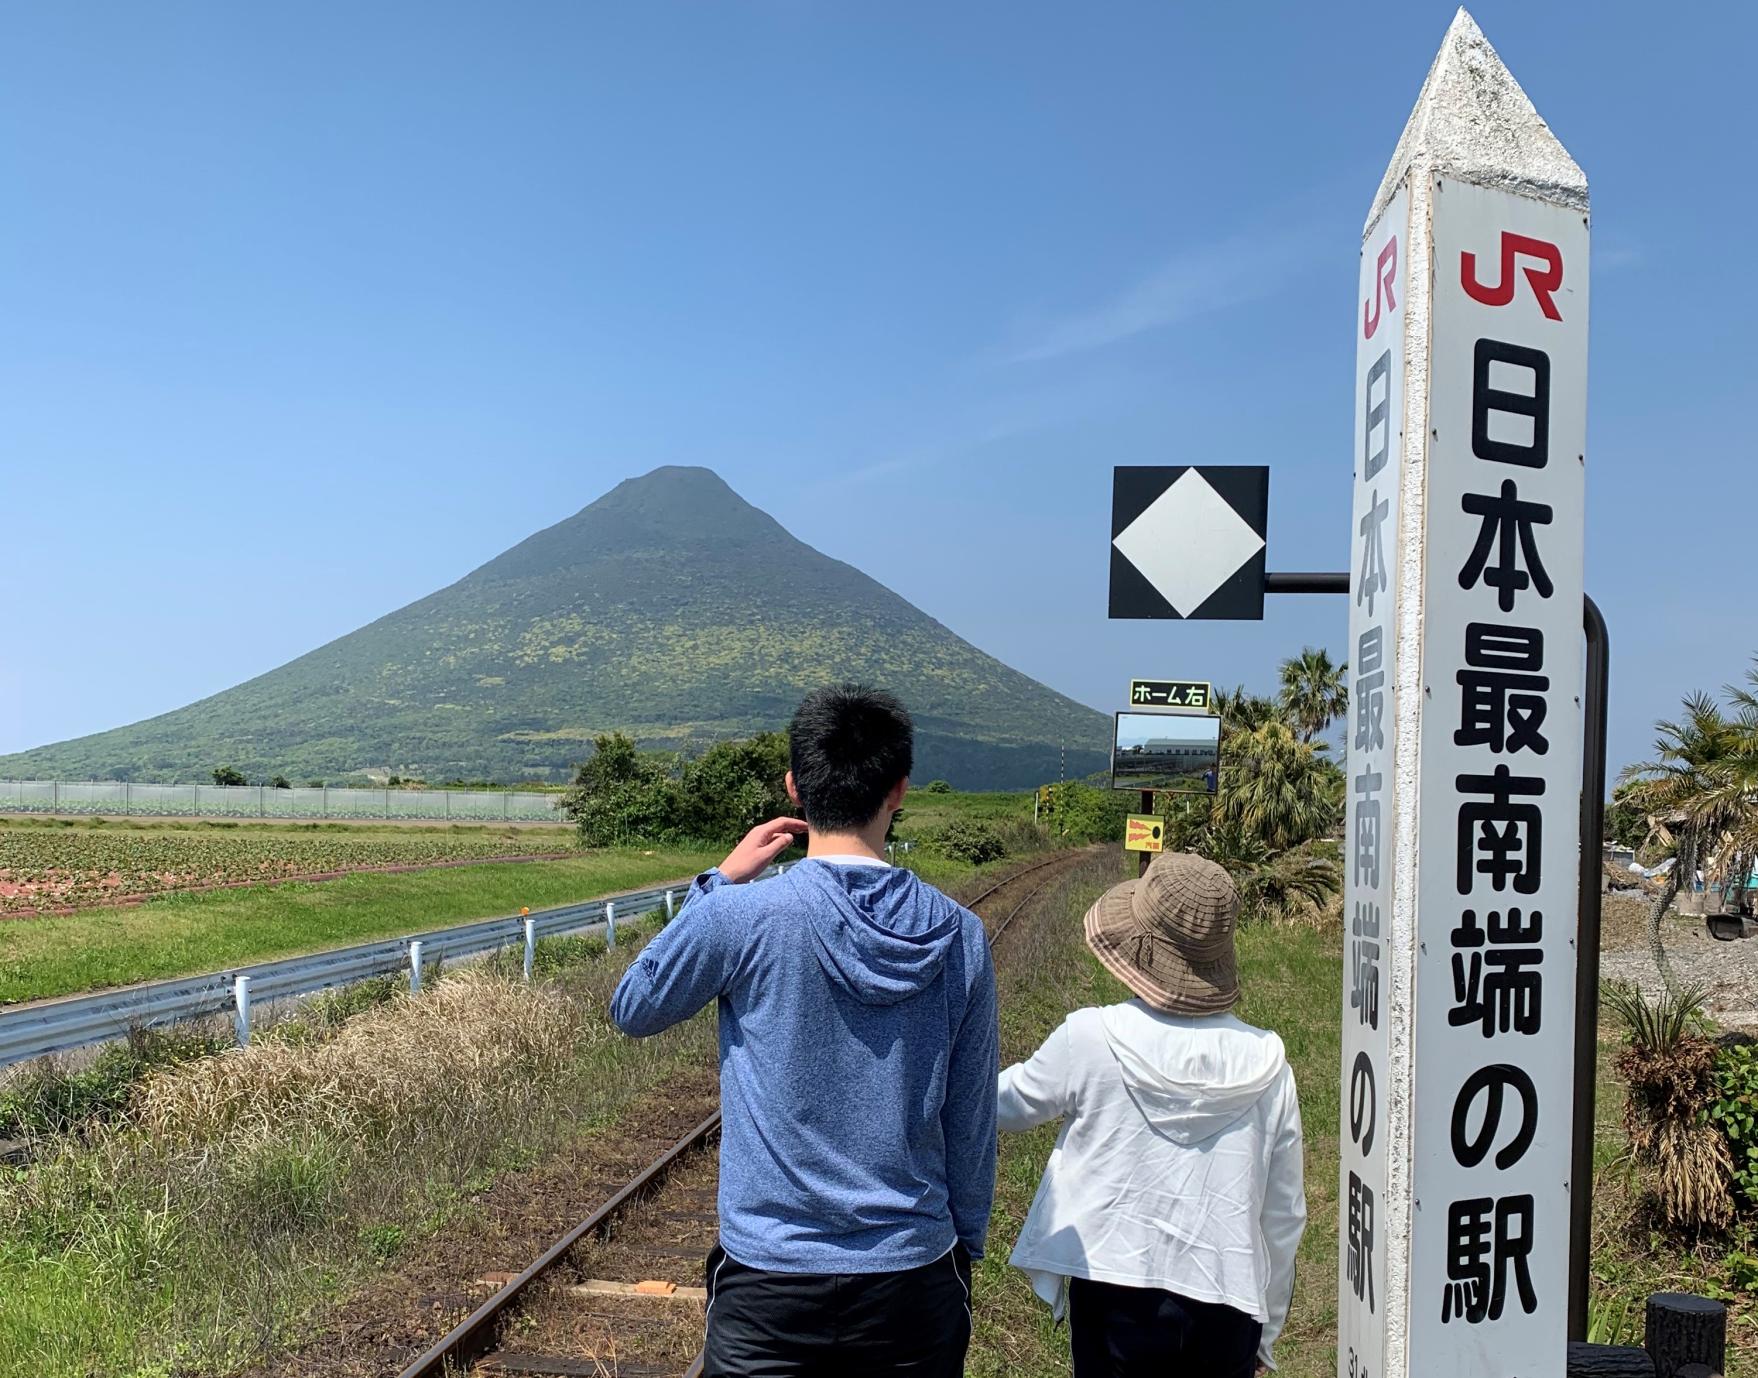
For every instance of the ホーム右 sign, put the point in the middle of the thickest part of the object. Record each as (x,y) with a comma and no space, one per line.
(1465,741)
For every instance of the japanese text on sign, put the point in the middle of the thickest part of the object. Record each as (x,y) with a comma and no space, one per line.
(1499,781)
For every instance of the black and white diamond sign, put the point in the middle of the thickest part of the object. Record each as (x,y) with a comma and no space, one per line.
(1187,541)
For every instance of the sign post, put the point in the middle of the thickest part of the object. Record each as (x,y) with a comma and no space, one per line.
(1463,826)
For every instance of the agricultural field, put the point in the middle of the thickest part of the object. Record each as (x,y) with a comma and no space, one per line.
(67,865)
(189,931)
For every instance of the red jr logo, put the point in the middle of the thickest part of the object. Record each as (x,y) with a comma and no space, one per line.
(1385,273)
(1544,280)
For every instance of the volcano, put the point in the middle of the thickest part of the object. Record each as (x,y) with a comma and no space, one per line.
(670,608)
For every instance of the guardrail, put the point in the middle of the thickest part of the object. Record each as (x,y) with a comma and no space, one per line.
(55,1026)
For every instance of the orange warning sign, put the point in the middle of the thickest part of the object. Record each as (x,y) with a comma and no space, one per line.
(1144,833)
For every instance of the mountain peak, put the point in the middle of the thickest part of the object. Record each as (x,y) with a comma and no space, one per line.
(674,508)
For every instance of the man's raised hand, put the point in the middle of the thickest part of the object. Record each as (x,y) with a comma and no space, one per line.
(761,846)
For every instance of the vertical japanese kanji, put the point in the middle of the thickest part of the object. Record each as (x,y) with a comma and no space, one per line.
(1373,629)
(1464,758)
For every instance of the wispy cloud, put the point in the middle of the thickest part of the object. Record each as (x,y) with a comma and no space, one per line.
(975,426)
(1195,280)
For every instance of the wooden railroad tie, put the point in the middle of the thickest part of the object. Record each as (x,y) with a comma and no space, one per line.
(652,1287)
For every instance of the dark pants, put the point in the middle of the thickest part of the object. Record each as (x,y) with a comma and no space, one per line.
(839,1325)
(1135,1332)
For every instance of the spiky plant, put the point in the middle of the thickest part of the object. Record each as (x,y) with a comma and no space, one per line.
(1669,1066)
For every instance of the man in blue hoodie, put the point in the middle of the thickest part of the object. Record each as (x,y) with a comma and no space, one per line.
(858,1056)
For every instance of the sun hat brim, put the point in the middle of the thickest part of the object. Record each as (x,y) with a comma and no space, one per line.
(1153,967)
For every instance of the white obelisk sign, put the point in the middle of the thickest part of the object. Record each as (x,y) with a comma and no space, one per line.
(1464,755)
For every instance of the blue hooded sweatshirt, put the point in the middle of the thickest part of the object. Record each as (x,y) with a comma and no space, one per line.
(858,1058)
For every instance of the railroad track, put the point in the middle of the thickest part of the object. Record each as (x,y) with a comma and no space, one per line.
(604,1299)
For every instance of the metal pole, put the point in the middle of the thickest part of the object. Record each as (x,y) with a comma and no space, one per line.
(1587,963)
(241,1006)
(530,945)
(670,908)
(415,967)
(1307,583)
(610,924)
(1147,806)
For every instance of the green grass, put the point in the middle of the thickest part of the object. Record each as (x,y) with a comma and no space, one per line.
(180,934)
(923,813)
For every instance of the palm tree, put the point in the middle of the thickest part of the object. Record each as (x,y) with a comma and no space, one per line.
(1241,711)
(1313,692)
(1276,789)
(1700,797)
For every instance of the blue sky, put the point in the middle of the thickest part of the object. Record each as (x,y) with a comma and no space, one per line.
(311,309)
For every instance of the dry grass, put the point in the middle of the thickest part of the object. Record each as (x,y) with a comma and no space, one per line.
(238,1194)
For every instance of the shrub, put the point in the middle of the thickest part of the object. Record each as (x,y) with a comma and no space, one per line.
(937,787)
(226,775)
(1734,1111)
(965,840)
(1085,814)
(733,787)
(624,795)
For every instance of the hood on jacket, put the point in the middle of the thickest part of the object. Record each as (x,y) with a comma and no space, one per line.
(879,933)
(1191,1077)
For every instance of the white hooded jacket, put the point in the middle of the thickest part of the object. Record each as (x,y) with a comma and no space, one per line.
(1179,1162)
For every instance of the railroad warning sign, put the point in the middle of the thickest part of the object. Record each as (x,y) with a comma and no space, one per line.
(1187,541)
(1171,693)
(1144,833)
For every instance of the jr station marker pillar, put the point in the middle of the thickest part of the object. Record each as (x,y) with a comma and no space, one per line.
(1465,739)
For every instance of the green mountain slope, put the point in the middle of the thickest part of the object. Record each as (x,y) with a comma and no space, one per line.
(670,608)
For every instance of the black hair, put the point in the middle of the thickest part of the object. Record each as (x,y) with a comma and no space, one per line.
(849,746)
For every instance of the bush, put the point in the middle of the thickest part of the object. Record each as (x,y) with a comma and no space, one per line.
(624,795)
(937,787)
(1734,1111)
(963,840)
(1085,814)
(733,787)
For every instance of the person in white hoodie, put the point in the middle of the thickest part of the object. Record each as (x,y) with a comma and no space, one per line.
(1169,1213)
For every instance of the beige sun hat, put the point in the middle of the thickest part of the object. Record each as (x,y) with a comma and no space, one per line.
(1169,935)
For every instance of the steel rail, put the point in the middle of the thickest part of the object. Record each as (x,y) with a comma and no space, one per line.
(53,1026)
(1008,880)
(468,1340)
(1014,913)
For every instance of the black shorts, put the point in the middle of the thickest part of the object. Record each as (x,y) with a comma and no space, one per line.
(838,1325)
(1138,1332)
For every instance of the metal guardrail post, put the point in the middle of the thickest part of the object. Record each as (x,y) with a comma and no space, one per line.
(610,923)
(241,1008)
(530,946)
(670,907)
(415,967)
